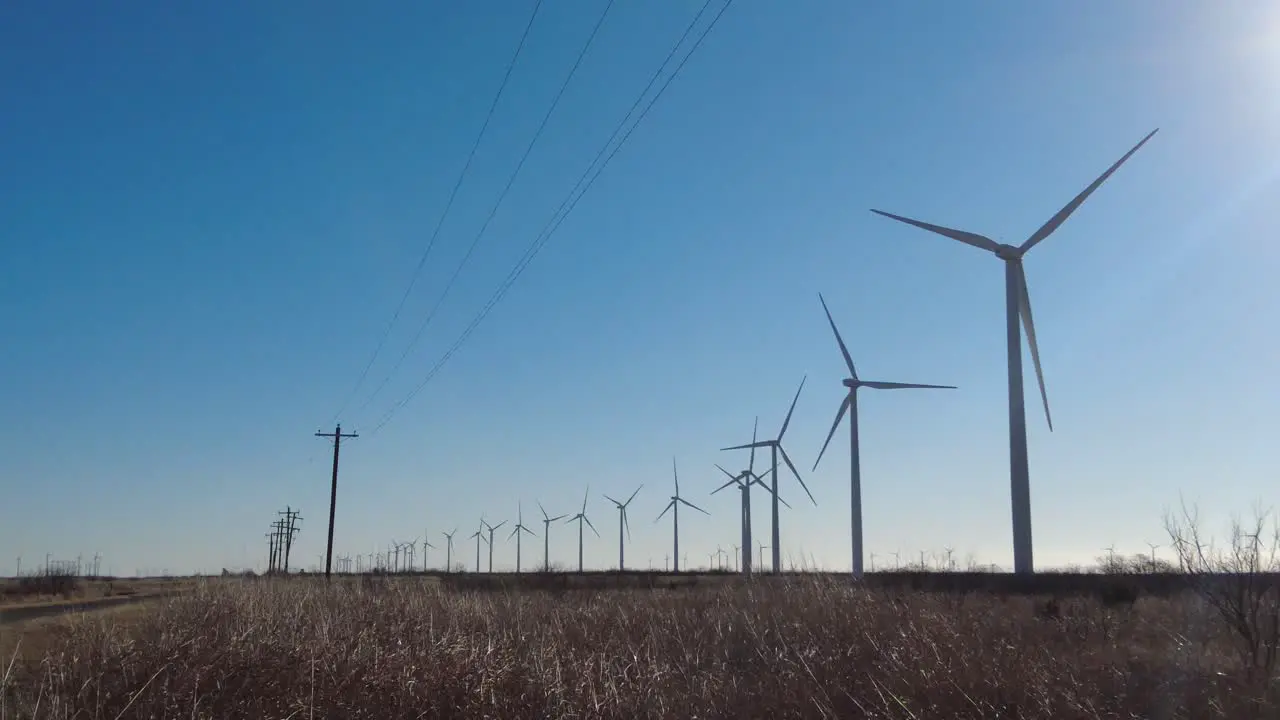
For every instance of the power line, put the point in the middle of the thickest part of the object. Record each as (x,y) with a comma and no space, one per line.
(570,202)
(422,261)
(555,102)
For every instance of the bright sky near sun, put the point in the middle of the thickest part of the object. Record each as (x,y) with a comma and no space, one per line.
(209,212)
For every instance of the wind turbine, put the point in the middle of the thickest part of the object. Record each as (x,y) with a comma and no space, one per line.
(775,447)
(674,507)
(515,532)
(478,535)
(744,481)
(492,529)
(1018,308)
(425,544)
(581,518)
(448,553)
(546,537)
(850,405)
(622,524)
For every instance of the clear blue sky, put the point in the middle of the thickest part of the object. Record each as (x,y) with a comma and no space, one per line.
(209,213)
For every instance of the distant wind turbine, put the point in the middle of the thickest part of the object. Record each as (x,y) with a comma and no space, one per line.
(674,507)
(448,553)
(850,405)
(516,532)
(743,485)
(1018,308)
(581,518)
(622,524)
(492,529)
(479,535)
(546,537)
(775,447)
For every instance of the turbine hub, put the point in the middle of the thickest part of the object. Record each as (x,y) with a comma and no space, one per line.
(850,383)
(1008,252)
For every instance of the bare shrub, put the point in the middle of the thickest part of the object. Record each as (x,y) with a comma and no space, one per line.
(1239,581)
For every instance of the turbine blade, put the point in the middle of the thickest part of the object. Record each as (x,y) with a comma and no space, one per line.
(515,530)
(676,474)
(787,421)
(626,525)
(754,429)
(544,511)
(593,527)
(531,532)
(844,407)
(979,241)
(905,386)
(727,484)
(726,472)
(751,446)
(695,507)
(570,521)
(615,502)
(633,496)
(1024,310)
(584,498)
(848,359)
(557,518)
(664,510)
(1062,215)
(762,475)
(787,459)
(504,522)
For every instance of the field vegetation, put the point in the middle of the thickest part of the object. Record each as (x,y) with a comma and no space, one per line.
(800,647)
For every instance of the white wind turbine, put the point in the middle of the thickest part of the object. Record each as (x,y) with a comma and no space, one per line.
(674,507)
(448,553)
(775,446)
(516,531)
(743,481)
(623,525)
(582,518)
(850,405)
(425,544)
(1018,308)
(546,537)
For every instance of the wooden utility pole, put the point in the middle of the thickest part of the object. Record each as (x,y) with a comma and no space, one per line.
(333,492)
(290,528)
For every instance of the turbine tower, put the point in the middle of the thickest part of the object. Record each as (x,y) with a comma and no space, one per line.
(623,525)
(1018,308)
(448,553)
(479,535)
(515,532)
(425,544)
(546,537)
(674,507)
(850,405)
(744,481)
(581,518)
(775,447)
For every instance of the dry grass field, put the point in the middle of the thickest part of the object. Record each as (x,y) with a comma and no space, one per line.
(816,647)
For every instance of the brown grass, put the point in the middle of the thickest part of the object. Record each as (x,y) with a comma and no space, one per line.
(42,590)
(806,648)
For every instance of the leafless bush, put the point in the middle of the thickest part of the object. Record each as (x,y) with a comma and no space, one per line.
(1239,581)
(55,582)
(814,647)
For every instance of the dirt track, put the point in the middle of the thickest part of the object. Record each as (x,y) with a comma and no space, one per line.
(21,613)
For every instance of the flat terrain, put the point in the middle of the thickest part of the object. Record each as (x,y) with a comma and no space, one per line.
(792,647)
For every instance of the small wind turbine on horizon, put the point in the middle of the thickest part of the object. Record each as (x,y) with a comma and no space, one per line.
(1018,308)
(581,518)
(850,405)
(674,507)
(546,537)
(516,531)
(623,525)
(478,535)
(448,553)
(775,448)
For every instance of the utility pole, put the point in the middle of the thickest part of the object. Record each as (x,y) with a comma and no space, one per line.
(337,436)
(290,528)
(271,552)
